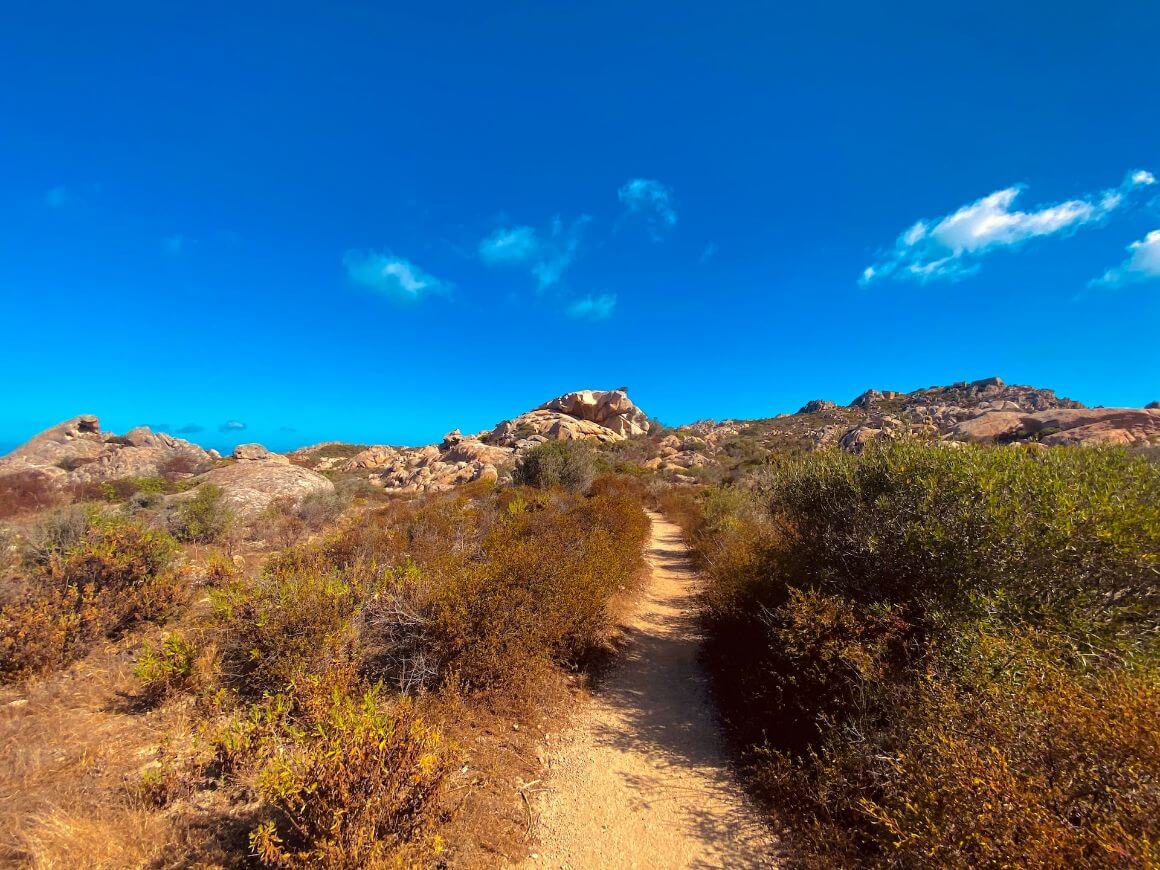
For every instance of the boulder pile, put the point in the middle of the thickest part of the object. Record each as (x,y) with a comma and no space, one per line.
(605,416)
(78,452)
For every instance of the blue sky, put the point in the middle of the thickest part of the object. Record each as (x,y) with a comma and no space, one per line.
(377,221)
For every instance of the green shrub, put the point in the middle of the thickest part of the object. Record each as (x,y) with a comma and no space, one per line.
(316,509)
(167,668)
(950,653)
(55,534)
(282,626)
(541,591)
(353,779)
(203,517)
(567,464)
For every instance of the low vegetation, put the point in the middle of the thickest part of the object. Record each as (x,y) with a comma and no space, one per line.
(324,681)
(926,655)
(567,464)
(201,518)
(938,657)
(87,575)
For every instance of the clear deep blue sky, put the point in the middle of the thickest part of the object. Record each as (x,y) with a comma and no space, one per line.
(377,221)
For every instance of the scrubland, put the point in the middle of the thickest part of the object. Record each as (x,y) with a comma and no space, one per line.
(344,695)
(942,657)
(924,656)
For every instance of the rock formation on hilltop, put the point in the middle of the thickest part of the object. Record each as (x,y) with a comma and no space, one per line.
(78,452)
(604,416)
(987,411)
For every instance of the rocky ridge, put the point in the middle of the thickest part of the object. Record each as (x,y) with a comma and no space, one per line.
(603,416)
(77,452)
(983,411)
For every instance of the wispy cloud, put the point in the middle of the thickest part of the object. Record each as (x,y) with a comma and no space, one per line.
(391,275)
(593,307)
(193,428)
(546,254)
(651,200)
(1143,264)
(232,426)
(951,247)
(708,253)
(509,245)
(175,244)
(58,197)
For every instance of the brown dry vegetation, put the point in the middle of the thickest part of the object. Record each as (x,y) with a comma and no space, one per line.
(377,696)
(89,576)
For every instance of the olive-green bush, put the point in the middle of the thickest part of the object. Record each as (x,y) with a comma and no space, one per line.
(950,654)
(567,464)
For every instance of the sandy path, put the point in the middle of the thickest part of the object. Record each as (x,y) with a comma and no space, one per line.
(641,780)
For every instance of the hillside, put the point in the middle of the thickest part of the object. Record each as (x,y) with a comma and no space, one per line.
(76,456)
(580,638)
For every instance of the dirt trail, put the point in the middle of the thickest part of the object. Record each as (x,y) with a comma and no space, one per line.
(641,780)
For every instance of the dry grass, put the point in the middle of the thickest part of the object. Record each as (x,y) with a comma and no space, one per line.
(72,747)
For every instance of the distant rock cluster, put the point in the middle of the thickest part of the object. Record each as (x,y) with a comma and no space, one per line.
(604,416)
(77,453)
(983,411)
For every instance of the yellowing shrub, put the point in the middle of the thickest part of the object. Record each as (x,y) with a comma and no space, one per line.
(96,583)
(353,780)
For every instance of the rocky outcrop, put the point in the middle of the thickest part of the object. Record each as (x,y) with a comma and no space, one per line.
(987,411)
(257,453)
(1125,426)
(250,487)
(604,416)
(871,398)
(612,409)
(600,415)
(815,405)
(78,452)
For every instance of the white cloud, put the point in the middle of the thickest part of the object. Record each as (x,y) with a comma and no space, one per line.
(593,307)
(708,253)
(548,255)
(391,275)
(1143,263)
(509,245)
(951,247)
(650,199)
